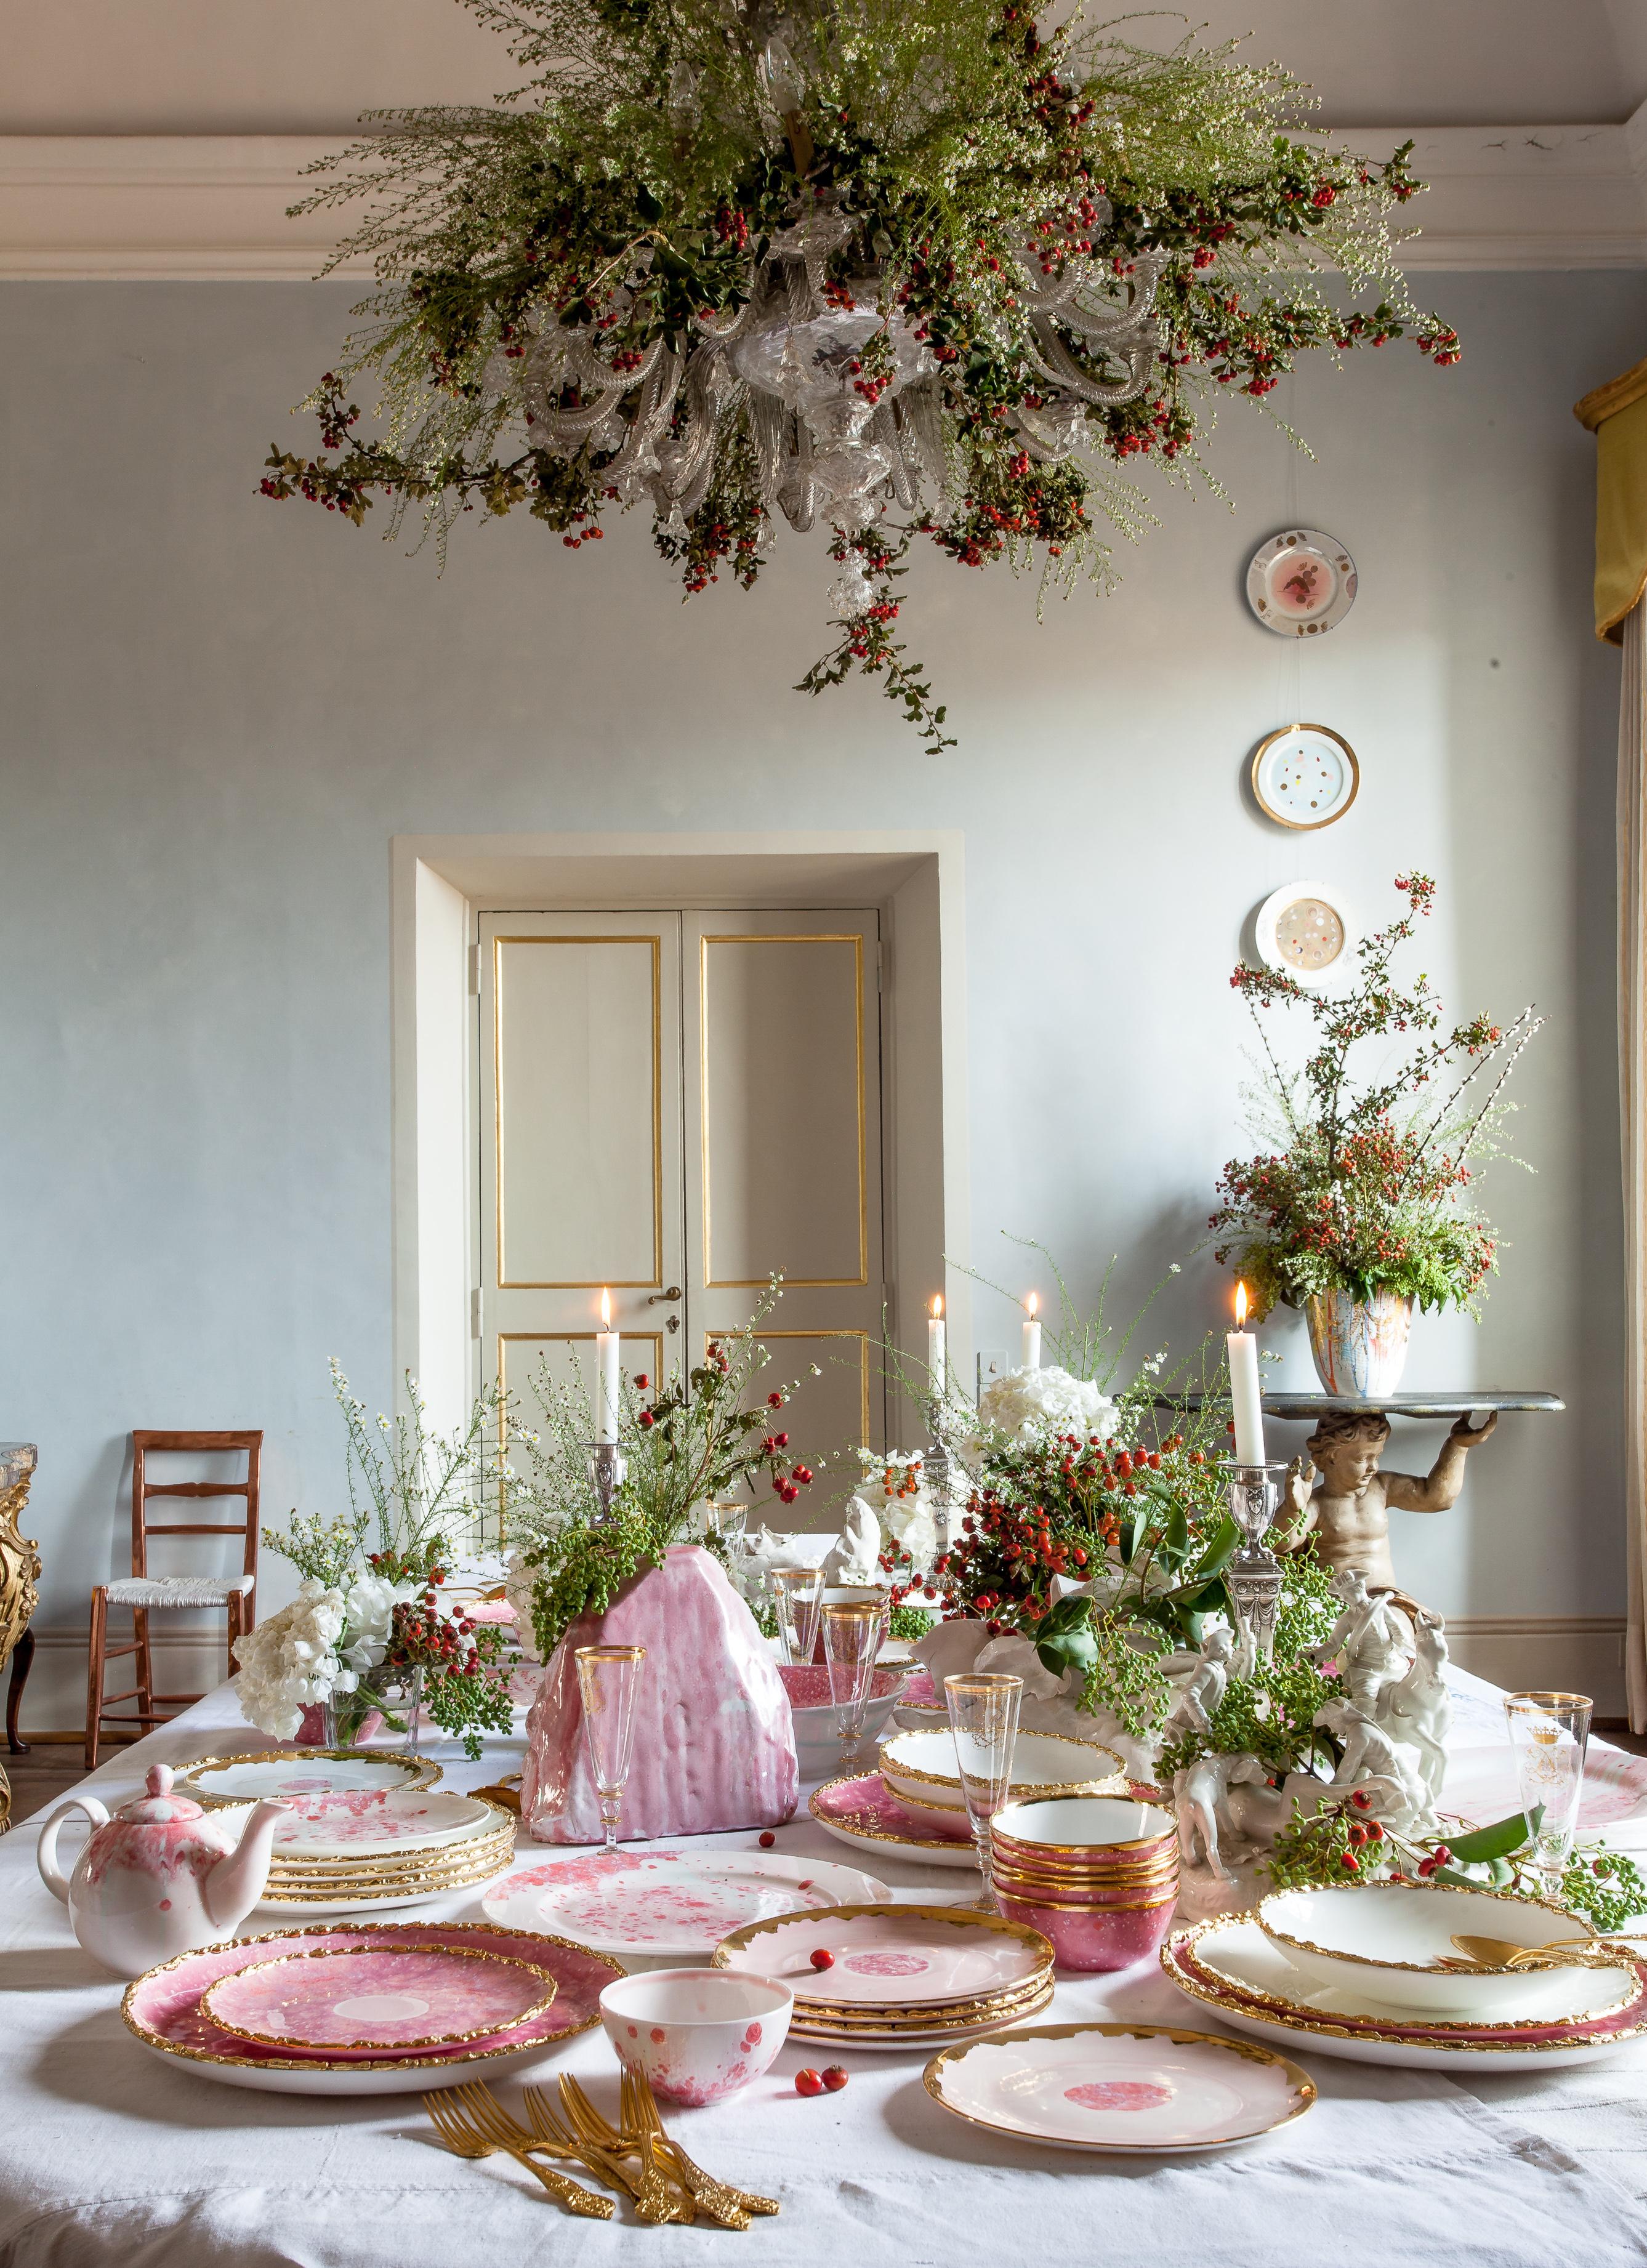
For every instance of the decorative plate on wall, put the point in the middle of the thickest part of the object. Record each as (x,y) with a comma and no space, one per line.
(1304,776)
(1301,582)
(1306,930)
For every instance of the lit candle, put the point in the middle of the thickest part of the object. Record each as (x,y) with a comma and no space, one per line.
(1244,1387)
(607,1344)
(935,1345)
(1031,1335)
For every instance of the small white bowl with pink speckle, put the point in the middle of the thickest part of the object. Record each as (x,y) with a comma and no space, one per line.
(696,2034)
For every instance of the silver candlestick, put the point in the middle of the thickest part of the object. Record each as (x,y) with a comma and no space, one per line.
(940,1468)
(608,1465)
(1253,1576)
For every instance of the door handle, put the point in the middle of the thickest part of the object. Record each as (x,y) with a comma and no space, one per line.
(657,1299)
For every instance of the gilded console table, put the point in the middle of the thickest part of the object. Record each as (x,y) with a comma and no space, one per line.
(19,1569)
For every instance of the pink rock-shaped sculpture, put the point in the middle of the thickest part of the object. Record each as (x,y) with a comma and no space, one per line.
(714,1740)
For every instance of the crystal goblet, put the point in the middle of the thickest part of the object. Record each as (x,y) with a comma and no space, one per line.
(608,1678)
(854,1631)
(1550,1734)
(983,1707)
(797,1601)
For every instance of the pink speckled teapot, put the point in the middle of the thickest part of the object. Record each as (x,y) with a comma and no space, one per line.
(161,1876)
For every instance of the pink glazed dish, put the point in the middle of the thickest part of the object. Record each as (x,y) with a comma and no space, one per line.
(696,2034)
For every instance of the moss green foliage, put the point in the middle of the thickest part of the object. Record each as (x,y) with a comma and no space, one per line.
(630,186)
(1271,1715)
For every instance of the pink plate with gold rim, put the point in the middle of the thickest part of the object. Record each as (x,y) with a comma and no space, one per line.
(889,1957)
(162,2010)
(864,1812)
(372,1822)
(670,1904)
(388,1998)
(1138,2088)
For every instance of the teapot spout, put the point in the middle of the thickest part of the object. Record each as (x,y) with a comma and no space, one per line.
(233,1886)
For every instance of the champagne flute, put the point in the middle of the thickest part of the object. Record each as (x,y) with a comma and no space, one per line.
(608,1677)
(1550,1733)
(854,1631)
(798,1599)
(983,1707)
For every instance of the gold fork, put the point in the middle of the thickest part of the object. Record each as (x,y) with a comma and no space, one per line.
(489,2118)
(652,2200)
(646,2139)
(640,2116)
(460,2135)
(656,2197)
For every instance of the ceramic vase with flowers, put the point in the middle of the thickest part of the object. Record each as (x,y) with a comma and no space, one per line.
(714,1744)
(1360,1205)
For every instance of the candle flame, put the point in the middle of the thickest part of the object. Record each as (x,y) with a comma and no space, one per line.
(1241,1307)
(1031,1304)
(937,1306)
(606,1311)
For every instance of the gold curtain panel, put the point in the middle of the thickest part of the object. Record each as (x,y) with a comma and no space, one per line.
(1616,414)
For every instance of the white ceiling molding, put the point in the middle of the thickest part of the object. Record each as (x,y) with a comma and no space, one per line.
(213,208)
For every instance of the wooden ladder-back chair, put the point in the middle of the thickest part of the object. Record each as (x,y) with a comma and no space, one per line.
(141,1591)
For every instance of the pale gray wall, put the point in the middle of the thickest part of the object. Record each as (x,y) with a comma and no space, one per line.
(217,711)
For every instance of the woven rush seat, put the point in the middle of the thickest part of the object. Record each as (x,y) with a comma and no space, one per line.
(177,1590)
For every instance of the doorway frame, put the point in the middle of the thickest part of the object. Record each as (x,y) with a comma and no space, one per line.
(439,887)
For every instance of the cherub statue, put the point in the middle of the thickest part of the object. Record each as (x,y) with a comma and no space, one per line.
(1372,1762)
(1201,1680)
(1350,1508)
(1370,1641)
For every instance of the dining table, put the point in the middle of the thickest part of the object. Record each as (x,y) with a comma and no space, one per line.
(111,2155)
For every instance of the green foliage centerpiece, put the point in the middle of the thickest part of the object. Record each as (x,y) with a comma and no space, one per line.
(914,269)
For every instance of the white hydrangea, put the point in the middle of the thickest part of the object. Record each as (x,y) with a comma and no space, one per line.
(369,1605)
(291,1660)
(1031,1403)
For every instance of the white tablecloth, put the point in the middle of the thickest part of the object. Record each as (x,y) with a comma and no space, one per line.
(108,2156)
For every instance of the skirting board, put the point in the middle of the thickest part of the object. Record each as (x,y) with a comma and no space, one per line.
(1581,1654)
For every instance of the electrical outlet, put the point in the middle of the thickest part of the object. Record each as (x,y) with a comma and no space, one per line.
(993,1362)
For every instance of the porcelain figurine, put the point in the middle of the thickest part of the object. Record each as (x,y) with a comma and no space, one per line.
(714,1738)
(854,1561)
(1416,1710)
(1201,1680)
(161,1876)
(1350,1509)
(1227,1810)
(1371,1641)
(1388,1774)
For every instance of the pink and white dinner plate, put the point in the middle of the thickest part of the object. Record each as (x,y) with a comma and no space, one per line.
(885,1956)
(378,1997)
(1138,2088)
(372,1822)
(864,1812)
(290,1772)
(1231,1968)
(670,1904)
(162,2011)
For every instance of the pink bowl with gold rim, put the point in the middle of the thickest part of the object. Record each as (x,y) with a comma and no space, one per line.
(1096,1937)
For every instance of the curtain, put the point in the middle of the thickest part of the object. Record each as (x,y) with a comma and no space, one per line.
(1617,416)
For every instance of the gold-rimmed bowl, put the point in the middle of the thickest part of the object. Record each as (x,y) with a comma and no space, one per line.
(1061,1890)
(1086,1835)
(1097,1938)
(921,1768)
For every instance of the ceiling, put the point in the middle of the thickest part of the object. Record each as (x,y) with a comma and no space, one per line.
(309,67)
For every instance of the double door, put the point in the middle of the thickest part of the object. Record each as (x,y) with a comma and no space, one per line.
(673,1107)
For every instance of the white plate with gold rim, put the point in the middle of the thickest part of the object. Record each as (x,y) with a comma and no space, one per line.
(922,1767)
(907,1956)
(668,1903)
(1135,2088)
(1385,1941)
(1230,1969)
(279,1773)
(365,1823)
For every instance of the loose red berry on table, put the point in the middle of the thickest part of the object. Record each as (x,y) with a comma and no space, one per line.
(834,2079)
(823,1958)
(808,2082)
(767,1838)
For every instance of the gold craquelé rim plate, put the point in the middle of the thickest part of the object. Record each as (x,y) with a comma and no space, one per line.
(421,1771)
(1417,1889)
(1022,1791)
(923,2016)
(933,2029)
(880,1834)
(742,1941)
(152,2039)
(450,1858)
(360,1952)
(1301,2086)
(1299,2018)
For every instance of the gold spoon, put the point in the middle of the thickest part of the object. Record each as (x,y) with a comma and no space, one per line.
(1560,1952)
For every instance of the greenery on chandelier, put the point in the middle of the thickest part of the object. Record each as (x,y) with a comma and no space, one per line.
(1020,262)
(1366,1186)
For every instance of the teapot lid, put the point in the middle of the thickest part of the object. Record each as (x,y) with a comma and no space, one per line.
(160,1807)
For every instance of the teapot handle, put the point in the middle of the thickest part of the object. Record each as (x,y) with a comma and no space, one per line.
(46,1851)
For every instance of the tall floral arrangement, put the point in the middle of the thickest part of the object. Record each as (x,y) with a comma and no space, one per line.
(922,271)
(704,1436)
(1367,1181)
(368,1610)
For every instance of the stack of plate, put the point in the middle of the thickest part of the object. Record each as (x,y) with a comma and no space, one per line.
(1371,1972)
(915,1802)
(367,2009)
(667,1903)
(361,1830)
(897,1976)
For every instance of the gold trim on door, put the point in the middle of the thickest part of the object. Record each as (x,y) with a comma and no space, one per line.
(617,1283)
(746,937)
(862,1337)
